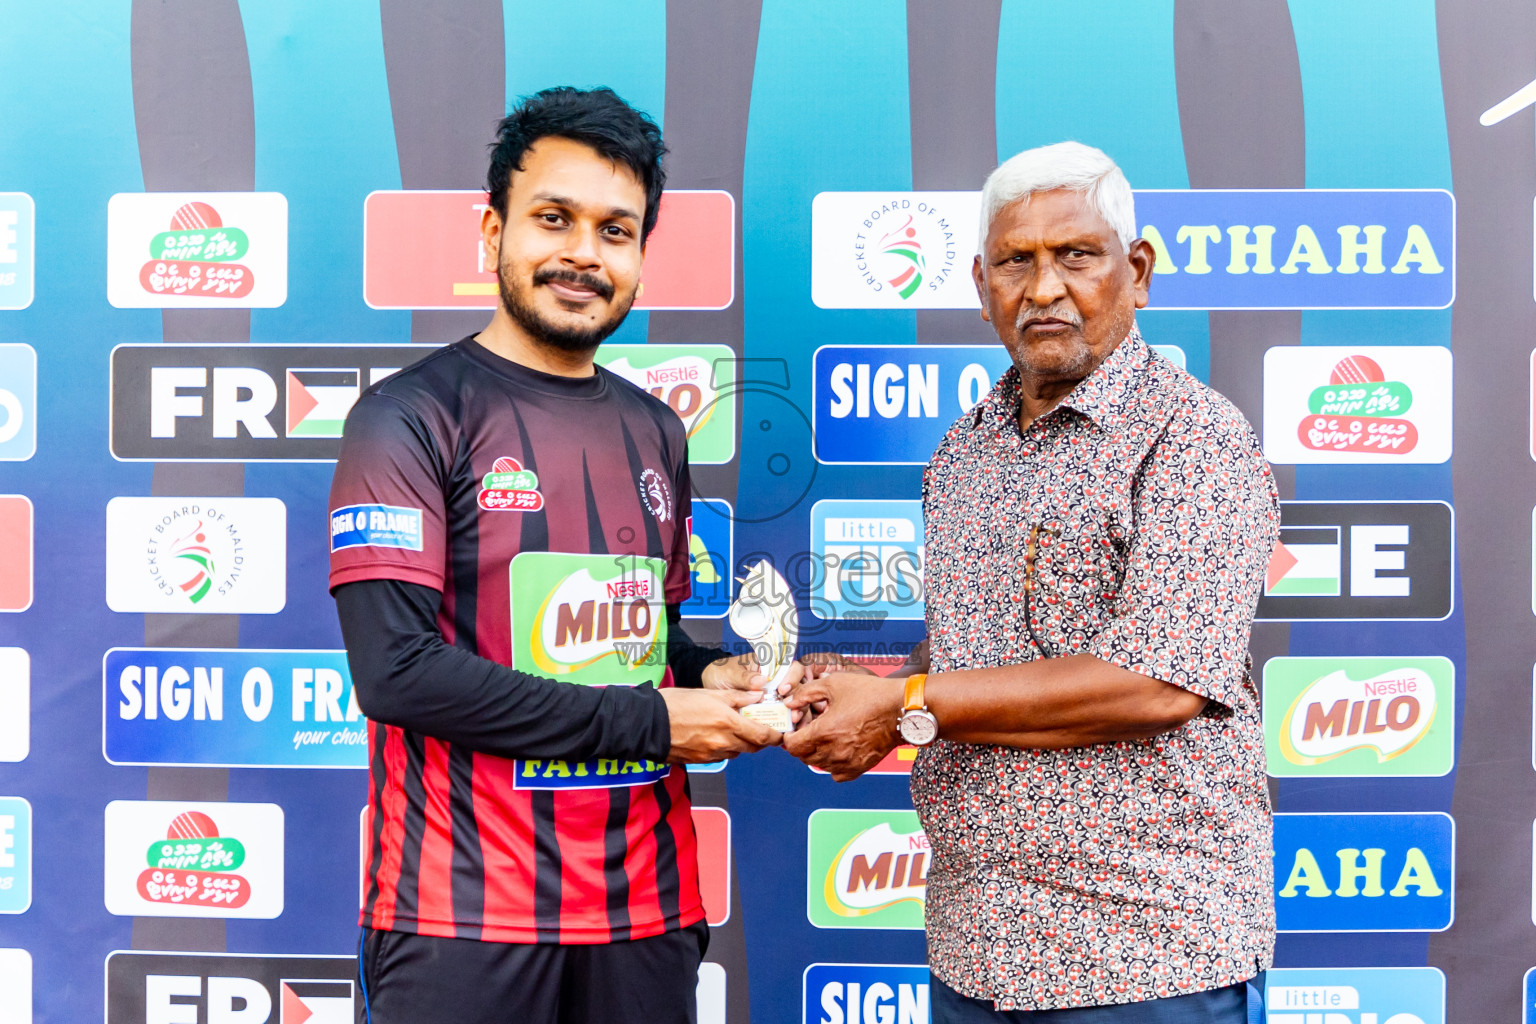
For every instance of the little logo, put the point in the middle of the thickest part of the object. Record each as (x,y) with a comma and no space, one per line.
(656,494)
(508,487)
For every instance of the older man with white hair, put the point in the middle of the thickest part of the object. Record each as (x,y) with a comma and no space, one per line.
(1091,776)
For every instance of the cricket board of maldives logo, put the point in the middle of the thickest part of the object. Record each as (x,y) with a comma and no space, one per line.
(877,868)
(202,555)
(193,551)
(904,245)
(656,493)
(585,620)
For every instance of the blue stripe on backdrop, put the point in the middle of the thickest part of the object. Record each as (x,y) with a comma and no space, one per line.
(68,141)
(829,112)
(1375,118)
(1124,99)
(325,156)
(630,58)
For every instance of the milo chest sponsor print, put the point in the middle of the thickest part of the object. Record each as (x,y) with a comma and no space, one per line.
(592,620)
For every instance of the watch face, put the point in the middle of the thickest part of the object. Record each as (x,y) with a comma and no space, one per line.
(918,728)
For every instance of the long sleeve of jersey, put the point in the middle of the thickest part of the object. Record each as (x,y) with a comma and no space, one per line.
(406,675)
(686,658)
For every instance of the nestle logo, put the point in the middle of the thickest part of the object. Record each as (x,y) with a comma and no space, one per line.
(671,374)
(630,588)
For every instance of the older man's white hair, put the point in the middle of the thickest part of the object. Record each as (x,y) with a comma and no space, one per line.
(1070,165)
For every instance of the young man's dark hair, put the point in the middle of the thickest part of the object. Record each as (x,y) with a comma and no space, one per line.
(594,117)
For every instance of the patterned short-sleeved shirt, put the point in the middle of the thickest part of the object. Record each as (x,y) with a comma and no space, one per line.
(1123,871)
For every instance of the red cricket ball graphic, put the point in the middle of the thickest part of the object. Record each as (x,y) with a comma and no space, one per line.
(192,825)
(1357,370)
(195,216)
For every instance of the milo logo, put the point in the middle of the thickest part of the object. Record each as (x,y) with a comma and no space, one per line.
(690,379)
(867,869)
(592,619)
(1346,717)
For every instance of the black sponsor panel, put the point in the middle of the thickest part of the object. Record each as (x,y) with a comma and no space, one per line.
(251,989)
(256,403)
(1361,560)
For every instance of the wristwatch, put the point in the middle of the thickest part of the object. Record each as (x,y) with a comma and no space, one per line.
(917,725)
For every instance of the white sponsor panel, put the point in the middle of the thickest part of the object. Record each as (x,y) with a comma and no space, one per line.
(199,555)
(197,250)
(1352,404)
(16,986)
(15,704)
(894,250)
(174,858)
(711,994)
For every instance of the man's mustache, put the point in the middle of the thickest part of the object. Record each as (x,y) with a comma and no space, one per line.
(1055,311)
(601,287)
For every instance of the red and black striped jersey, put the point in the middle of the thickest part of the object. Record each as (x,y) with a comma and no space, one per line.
(552,515)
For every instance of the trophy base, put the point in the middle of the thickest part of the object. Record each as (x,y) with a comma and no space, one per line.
(773,714)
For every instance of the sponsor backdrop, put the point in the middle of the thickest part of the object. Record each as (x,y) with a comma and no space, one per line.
(202,265)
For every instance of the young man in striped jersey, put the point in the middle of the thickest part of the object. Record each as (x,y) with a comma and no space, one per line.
(509,548)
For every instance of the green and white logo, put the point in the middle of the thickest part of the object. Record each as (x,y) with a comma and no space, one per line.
(592,619)
(867,869)
(1353,717)
(685,377)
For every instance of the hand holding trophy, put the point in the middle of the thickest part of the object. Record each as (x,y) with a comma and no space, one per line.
(764,614)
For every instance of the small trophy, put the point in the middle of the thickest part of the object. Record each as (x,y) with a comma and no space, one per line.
(764,615)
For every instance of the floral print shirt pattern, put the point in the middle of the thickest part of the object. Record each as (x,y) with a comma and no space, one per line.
(1132,522)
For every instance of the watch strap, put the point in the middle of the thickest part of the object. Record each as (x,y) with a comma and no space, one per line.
(913,695)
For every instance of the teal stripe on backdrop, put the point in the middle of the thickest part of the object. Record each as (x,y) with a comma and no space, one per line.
(1375,118)
(325,155)
(829,112)
(629,56)
(67,139)
(1121,96)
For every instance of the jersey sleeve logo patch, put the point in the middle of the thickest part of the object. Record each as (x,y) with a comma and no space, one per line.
(508,487)
(656,495)
(378,526)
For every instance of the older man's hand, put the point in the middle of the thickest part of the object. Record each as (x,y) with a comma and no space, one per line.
(857,728)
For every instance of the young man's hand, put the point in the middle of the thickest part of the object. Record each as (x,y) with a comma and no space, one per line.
(707,725)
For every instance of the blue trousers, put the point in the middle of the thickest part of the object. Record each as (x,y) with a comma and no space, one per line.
(1230,1005)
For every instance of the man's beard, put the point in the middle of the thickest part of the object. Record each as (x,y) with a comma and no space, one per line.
(1076,363)
(519,305)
